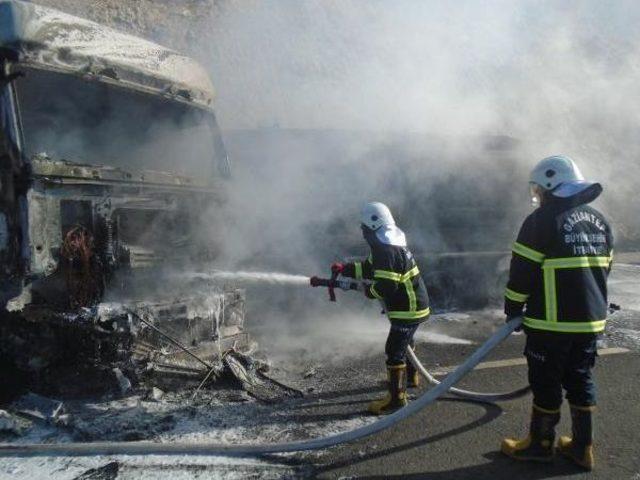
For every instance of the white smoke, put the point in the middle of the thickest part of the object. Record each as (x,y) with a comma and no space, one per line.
(560,77)
(327,104)
(349,101)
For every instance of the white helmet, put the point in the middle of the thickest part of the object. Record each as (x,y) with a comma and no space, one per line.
(375,215)
(559,175)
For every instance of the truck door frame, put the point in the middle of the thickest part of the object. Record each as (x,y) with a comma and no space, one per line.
(14,182)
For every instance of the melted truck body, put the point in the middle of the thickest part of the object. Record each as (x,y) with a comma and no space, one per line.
(111,159)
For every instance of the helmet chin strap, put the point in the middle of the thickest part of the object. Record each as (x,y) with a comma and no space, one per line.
(535,202)
(368,234)
(535,192)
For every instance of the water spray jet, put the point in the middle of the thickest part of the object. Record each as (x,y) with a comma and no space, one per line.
(247,277)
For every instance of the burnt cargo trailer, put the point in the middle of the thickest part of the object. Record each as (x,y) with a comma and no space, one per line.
(110,155)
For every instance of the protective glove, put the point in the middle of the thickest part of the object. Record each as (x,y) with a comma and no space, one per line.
(511,317)
(337,267)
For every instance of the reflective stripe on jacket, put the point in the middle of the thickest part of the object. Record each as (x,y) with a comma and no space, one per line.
(559,268)
(396,282)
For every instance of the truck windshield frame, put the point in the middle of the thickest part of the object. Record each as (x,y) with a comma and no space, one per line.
(81,120)
(8,119)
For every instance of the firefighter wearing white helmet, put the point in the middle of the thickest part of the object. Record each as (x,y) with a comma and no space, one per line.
(559,175)
(375,215)
(558,281)
(397,283)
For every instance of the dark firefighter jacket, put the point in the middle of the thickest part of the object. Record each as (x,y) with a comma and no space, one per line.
(560,264)
(396,281)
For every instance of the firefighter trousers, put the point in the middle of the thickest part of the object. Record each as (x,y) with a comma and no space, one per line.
(400,337)
(560,361)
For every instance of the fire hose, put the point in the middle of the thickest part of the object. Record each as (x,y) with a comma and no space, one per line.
(205,448)
(470,395)
(348,284)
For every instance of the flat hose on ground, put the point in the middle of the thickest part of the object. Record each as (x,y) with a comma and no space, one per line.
(204,448)
(470,395)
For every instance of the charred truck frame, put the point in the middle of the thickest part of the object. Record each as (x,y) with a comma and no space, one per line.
(110,154)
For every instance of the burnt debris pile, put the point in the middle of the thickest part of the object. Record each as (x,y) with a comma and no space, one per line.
(77,352)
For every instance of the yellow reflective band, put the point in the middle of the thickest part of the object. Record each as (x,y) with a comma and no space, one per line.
(411,294)
(515,296)
(550,295)
(591,408)
(375,293)
(369,259)
(415,271)
(397,367)
(528,253)
(397,277)
(596,326)
(549,267)
(577,262)
(544,410)
(387,275)
(358,266)
(409,315)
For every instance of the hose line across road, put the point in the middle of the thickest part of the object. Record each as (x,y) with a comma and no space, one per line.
(205,448)
(470,395)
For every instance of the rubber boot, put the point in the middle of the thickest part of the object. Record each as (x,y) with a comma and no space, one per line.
(538,445)
(396,398)
(579,448)
(413,377)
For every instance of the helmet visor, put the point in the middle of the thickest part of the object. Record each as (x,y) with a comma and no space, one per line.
(569,189)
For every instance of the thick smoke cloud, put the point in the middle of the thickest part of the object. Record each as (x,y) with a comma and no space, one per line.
(437,108)
(401,97)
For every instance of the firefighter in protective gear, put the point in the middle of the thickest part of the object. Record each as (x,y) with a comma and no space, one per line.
(558,279)
(397,283)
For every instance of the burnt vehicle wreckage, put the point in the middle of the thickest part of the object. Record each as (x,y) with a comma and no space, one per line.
(110,152)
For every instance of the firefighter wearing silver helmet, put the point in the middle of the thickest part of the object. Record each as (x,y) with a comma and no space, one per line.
(558,281)
(397,283)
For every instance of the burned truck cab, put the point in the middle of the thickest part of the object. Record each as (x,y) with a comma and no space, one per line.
(112,167)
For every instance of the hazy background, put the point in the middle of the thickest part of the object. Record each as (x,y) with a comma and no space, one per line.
(328,104)
(438,108)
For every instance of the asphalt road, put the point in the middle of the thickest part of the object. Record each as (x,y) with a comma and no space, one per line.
(450,439)
(456,439)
